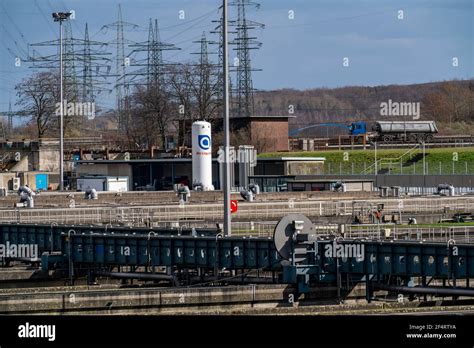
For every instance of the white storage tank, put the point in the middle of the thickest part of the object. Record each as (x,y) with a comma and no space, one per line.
(202,156)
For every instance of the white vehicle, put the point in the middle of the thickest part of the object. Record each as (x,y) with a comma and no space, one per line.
(414,131)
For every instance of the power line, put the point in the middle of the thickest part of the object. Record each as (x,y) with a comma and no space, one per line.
(206,15)
(14,25)
(348,18)
(50,26)
(9,50)
(190,27)
(15,42)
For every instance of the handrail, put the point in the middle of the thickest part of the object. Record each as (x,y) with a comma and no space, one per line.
(391,160)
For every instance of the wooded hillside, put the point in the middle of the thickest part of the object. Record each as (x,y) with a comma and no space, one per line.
(450,103)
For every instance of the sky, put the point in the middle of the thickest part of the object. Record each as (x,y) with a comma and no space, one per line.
(304,42)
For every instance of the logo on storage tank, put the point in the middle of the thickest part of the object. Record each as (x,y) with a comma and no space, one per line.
(204,142)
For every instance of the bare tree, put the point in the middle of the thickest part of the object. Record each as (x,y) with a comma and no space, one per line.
(181,82)
(206,91)
(151,114)
(37,96)
(195,93)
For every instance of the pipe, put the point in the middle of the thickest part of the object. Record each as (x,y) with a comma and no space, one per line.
(71,266)
(429,290)
(52,237)
(232,280)
(135,275)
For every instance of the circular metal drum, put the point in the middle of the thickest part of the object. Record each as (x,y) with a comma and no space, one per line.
(284,230)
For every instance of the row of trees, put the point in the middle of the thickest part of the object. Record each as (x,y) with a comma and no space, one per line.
(192,91)
(151,111)
(453,102)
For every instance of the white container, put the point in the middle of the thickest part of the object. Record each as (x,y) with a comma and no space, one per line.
(117,183)
(202,156)
(103,183)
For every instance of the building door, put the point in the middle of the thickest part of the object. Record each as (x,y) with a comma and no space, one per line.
(42,182)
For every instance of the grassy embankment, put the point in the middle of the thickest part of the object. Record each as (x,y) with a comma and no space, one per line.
(437,160)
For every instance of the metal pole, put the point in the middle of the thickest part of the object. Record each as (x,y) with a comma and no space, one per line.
(424,161)
(375,164)
(227,218)
(61,134)
(424,166)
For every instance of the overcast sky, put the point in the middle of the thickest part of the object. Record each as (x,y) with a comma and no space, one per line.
(306,51)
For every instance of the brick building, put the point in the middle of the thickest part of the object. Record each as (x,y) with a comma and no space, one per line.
(267,133)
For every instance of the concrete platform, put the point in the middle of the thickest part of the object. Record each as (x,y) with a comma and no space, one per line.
(63,199)
(246,299)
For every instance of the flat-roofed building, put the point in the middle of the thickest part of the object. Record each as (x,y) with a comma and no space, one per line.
(305,184)
(162,174)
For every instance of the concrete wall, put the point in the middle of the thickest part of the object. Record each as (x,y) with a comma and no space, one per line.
(326,186)
(404,180)
(62,199)
(48,160)
(6,180)
(23,165)
(27,178)
(359,186)
(33,156)
(34,159)
(115,169)
(303,168)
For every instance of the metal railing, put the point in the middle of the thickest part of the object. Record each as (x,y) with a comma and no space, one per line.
(461,234)
(262,211)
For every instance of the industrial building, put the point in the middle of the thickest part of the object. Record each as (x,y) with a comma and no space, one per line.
(358,185)
(267,133)
(32,163)
(162,174)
